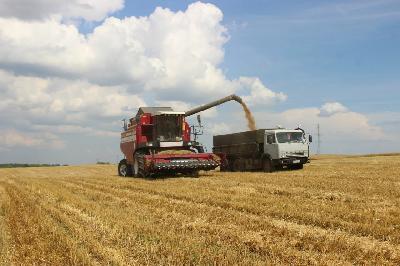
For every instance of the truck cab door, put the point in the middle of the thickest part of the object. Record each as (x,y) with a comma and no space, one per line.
(270,146)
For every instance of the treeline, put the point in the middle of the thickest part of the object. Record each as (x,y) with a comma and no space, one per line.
(100,162)
(15,165)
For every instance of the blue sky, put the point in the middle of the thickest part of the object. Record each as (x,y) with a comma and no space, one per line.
(345,51)
(65,87)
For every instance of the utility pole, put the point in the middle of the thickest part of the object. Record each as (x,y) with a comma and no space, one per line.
(318,140)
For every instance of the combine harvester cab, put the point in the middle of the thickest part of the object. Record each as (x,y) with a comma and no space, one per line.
(157,140)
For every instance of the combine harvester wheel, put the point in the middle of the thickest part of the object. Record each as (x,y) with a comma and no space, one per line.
(124,169)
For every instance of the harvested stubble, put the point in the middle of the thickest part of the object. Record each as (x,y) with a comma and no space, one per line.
(335,211)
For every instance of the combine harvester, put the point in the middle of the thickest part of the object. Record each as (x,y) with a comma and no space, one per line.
(158,140)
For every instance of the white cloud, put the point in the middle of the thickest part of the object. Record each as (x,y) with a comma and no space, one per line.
(390,121)
(75,129)
(89,10)
(219,128)
(60,101)
(332,108)
(385,118)
(56,79)
(340,131)
(209,113)
(12,138)
(259,94)
(186,106)
(175,55)
(175,105)
(54,95)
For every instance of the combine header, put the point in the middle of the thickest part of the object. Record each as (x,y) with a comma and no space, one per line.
(158,140)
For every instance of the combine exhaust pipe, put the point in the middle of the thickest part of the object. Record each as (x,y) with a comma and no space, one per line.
(200,108)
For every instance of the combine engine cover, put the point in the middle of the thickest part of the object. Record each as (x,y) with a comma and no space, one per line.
(157,140)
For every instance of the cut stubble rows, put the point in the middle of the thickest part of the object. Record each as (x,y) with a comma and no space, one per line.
(337,210)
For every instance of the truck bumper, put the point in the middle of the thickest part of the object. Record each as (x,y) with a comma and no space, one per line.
(292,160)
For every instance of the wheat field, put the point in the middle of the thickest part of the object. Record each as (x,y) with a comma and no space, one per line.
(337,210)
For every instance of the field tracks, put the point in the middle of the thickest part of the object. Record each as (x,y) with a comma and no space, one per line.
(336,211)
(322,240)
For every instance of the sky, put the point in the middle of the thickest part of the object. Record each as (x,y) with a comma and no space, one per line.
(70,71)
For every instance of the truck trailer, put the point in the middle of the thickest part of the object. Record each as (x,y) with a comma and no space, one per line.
(263,149)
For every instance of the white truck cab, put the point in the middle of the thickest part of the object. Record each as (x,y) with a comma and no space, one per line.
(287,147)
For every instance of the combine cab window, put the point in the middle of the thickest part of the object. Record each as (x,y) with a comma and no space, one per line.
(286,137)
(169,127)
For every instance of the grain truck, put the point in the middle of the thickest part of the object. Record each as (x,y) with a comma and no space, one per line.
(263,149)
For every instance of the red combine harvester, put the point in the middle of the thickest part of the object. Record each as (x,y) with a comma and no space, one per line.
(158,140)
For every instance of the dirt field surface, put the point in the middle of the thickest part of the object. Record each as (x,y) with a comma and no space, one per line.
(338,210)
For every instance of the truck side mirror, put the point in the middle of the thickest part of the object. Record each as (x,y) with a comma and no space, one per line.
(309,138)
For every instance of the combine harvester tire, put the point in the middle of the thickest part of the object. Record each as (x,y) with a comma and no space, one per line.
(124,169)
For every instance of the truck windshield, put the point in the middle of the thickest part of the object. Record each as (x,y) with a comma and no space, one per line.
(286,137)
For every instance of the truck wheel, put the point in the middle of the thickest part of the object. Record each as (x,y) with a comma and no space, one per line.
(224,167)
(237,166)
(229,166)
(267,165)
(124,169)
(296,166)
